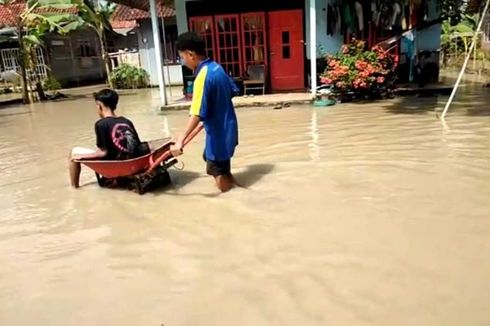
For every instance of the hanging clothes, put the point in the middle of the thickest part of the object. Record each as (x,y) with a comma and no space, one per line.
(338,24)
(395,21)
(403,16)
(331,19)
(408,41)
(359,16)
(385,16)
(375,12)
(425,7)
(348,21)
(415,13)
(366,10)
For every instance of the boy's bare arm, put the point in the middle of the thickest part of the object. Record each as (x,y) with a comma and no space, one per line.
(192,123)
(98,154)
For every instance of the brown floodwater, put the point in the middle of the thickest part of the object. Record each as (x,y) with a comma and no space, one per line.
(362,214)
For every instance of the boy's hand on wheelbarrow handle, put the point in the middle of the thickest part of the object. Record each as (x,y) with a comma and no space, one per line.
(176,148)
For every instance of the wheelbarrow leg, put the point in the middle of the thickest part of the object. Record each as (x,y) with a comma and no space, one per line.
(100,179)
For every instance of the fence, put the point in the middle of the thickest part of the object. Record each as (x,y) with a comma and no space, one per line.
(10,62)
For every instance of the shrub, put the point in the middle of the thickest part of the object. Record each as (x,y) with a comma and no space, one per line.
(126,76)
(51,84)
(356,70)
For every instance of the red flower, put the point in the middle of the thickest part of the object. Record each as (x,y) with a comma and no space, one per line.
(342,70)
(380,80)
(326,80)
(364,74)
(361,65)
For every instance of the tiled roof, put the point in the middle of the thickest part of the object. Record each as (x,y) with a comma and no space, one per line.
(124,12)
(126,17)
(123,17)
(10,13)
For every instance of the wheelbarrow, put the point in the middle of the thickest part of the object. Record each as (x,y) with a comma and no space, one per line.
(140,174)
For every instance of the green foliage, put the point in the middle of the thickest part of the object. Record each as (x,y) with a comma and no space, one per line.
(51,84)
(356,69)
(96,17)
(126,76)
(454,10)
(456,38)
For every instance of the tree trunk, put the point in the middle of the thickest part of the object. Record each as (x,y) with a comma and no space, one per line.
(105,56)
(23,70)
(40,91)
(37,80)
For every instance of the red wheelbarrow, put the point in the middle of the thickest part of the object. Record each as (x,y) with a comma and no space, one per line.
(142,173)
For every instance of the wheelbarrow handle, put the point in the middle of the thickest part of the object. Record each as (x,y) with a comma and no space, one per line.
(166,155)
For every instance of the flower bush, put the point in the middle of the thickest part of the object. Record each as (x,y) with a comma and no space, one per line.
(356,70)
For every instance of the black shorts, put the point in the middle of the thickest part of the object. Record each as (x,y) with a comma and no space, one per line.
(217,168)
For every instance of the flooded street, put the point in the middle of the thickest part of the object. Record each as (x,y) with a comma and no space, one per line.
(358,214)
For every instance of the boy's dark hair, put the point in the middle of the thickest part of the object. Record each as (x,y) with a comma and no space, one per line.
(190,41)
(108,97)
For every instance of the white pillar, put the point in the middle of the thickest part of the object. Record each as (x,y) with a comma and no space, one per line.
(166,57)
(181,15)
(158,51)
(313,46)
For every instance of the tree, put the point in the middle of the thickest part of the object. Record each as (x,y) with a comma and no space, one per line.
(456,38)
(97,17)
(454,10)
(36,19)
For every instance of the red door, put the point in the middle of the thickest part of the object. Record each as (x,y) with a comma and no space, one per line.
(286,50)
(228,44)
(205,28)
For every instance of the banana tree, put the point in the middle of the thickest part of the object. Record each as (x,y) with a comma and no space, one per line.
(97,17)
(457,35)
(36,19)
(89,15)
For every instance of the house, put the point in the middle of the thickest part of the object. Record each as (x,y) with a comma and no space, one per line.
(135,35)
(73,59)
(278,33)
(285,35)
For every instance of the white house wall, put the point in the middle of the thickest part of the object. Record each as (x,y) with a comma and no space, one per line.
(427,40)
(330,44)
(147,57)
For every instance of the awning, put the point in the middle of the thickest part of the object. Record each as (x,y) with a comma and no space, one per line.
(123,31)
(123,27)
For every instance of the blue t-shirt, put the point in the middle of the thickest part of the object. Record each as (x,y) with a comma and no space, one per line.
(212,94)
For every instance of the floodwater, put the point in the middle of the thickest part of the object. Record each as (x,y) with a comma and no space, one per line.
(369,214)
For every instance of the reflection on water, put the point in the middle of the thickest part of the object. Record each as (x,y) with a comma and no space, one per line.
(366,214)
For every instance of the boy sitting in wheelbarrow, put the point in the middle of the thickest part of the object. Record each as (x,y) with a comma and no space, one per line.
(117,138)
